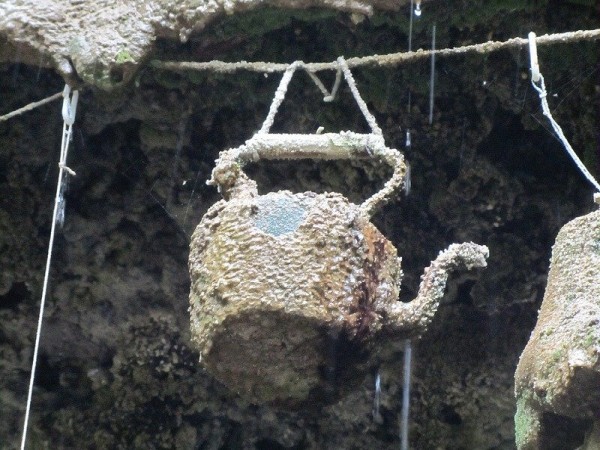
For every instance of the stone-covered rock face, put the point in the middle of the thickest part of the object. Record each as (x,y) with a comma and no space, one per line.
(104,42)
(117,368)
(559,371)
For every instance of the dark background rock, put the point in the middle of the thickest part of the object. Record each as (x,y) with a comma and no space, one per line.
(115,368)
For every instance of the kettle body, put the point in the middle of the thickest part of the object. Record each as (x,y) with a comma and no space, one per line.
(291,294)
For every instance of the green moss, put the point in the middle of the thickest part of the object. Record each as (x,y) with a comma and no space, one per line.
(123,56)
(547,332)
(590,340)
(527,424)
(557,356)
(549,365)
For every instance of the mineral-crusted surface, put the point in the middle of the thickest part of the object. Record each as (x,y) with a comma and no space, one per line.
(559,371)
(103,42)
(285,289)
(289,292)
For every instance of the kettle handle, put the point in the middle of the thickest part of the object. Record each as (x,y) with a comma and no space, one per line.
(285,81)
(232,182)
(228,176)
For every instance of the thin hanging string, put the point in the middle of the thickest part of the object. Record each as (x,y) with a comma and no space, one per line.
(432,76)
(410,26)
(68,112)
(405,408)
(408,107)
(537,81)
(387,60)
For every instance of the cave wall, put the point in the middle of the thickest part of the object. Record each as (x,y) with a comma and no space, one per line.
(116,368)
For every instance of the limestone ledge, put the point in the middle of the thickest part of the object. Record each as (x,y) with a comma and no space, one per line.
(102,43)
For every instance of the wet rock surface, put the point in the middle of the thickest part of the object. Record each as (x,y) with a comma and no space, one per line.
(117,369)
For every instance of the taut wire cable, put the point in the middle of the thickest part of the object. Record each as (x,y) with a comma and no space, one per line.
(68,112)
(432,75)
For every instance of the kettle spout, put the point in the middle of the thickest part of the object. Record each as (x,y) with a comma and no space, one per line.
(413,318)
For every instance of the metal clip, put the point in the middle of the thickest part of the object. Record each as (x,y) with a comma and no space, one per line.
(533,57)
(69,105)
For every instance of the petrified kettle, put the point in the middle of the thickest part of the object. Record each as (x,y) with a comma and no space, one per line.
(291,292)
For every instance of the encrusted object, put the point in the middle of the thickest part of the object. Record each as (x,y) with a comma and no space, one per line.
(292,292)
(559,371)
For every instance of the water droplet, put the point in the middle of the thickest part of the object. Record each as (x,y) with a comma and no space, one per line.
(377,400)
(60,212)
(404,414)
(60,206)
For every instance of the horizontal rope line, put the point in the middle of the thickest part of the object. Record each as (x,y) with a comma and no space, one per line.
(31,106)
(390,59)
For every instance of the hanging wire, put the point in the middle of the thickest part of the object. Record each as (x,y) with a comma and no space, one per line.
(68,112)
(541,90)
(405,412)
(537,81)
(432,76)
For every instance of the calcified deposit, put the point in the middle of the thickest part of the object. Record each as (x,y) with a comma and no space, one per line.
(559,371)
(291,294)
(103,43)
